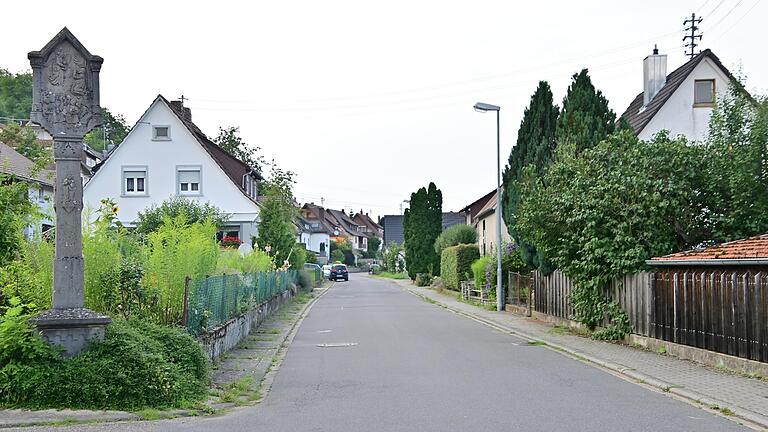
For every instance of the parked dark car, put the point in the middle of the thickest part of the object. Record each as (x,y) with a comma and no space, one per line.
(339,271)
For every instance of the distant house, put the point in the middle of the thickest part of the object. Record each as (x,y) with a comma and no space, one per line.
(372,229)
(483,219)
(40,182)
(393,225)
(317,231)
(346,228)
(680,102)
(166,155)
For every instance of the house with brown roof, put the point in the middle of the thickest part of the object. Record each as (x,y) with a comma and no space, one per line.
(751,251)
(680,102)
(166,155)
(16,167)
(372,228)
(481,215)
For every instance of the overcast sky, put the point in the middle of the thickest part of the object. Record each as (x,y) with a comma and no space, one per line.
(367,101)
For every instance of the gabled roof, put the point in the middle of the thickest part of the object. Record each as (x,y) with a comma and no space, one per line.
(316,211)
(232,166)
(475,207)
(17,165)
(639,119)
(365,220)
(345,222)
(488,208)
(749,249)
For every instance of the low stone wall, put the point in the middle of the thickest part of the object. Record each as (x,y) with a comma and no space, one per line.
(223,338)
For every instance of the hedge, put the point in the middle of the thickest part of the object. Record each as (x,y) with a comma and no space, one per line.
(456,264)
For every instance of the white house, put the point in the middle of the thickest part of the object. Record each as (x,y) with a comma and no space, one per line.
(316,231)
(165,155)
(680,102)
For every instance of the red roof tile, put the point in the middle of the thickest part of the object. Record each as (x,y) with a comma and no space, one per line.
(749,248)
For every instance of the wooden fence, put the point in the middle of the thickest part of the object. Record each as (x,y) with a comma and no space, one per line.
(633,292)
(723,310)
(719,310)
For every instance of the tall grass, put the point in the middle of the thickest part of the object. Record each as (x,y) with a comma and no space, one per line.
(230,262)
(177,250)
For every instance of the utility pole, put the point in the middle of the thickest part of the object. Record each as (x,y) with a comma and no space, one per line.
(692,26)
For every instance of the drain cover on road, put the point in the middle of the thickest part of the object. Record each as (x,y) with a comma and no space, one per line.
(337,345)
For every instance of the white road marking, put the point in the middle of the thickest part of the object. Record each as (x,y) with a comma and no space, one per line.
(336,345)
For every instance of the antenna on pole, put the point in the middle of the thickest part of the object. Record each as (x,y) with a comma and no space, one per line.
(183,99)
(692,26)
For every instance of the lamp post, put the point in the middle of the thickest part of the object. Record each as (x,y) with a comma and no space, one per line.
(484,107)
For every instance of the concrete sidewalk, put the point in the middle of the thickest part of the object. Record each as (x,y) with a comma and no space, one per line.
(731,394)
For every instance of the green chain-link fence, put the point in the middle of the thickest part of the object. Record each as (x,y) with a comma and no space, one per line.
(215,299)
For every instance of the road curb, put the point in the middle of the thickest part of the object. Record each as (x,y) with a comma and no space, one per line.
(756,420)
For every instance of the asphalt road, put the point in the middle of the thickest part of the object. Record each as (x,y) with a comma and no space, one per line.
(418,367)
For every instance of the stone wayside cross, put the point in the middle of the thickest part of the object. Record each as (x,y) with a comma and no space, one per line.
(65,102)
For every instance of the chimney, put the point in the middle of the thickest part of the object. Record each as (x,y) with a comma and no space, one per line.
(188,114)
(654,75)
(178,105)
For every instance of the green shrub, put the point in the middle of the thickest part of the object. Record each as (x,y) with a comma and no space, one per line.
(155,216)
(455,235)
(423,280)
(19,280)
(337,256)
(230,262)
(138,365)
(101,253)
(306,280)
(456,264)
(482,270)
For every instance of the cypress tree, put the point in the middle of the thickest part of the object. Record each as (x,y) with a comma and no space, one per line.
(422,224)
(534,147)
(585,119)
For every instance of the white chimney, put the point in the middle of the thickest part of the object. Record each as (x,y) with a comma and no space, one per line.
(654,75)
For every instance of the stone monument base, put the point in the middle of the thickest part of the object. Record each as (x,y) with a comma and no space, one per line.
(72,329)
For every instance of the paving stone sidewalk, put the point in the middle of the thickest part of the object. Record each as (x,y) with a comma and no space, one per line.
(745,397)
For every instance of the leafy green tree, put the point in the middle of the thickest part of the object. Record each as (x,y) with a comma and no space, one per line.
(601,212)
(422,224)
(112,131)
(229,139)
(455,235)
(737,172)
(337,256)
(14,200)
(277,234)
(24,141)
(15,95)
(535,147)
(152,218)
(374,243)
(585,119)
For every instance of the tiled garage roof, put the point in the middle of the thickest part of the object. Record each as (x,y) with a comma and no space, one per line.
(751,248)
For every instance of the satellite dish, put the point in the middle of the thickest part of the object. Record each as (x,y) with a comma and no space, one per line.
(245,249)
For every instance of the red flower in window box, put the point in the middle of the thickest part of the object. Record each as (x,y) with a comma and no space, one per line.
(230,241)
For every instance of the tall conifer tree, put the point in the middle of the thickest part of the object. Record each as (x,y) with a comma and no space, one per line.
(534,147)
(585,119)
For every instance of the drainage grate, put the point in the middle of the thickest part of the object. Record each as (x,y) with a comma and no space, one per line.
(337,345)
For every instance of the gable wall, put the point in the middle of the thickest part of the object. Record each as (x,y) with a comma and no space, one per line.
(678,114)
(162,159)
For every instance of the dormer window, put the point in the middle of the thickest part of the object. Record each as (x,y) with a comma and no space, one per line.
(161,133)
(704,93)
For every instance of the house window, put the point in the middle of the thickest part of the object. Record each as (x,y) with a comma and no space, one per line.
(229,231)
(134,181)
(188,181)
(704,92)
(161,133)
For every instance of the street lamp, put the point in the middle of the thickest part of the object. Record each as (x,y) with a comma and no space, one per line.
(484,107)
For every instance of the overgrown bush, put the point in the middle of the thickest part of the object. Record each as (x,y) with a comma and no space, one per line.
(423,280)
(456,264)
(337,256)
(138,365)
(153,217)
(455,235)
(306,280)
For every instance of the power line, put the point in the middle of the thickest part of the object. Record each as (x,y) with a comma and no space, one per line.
(737,21)
(726,14)
(471,80)
(715,8)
